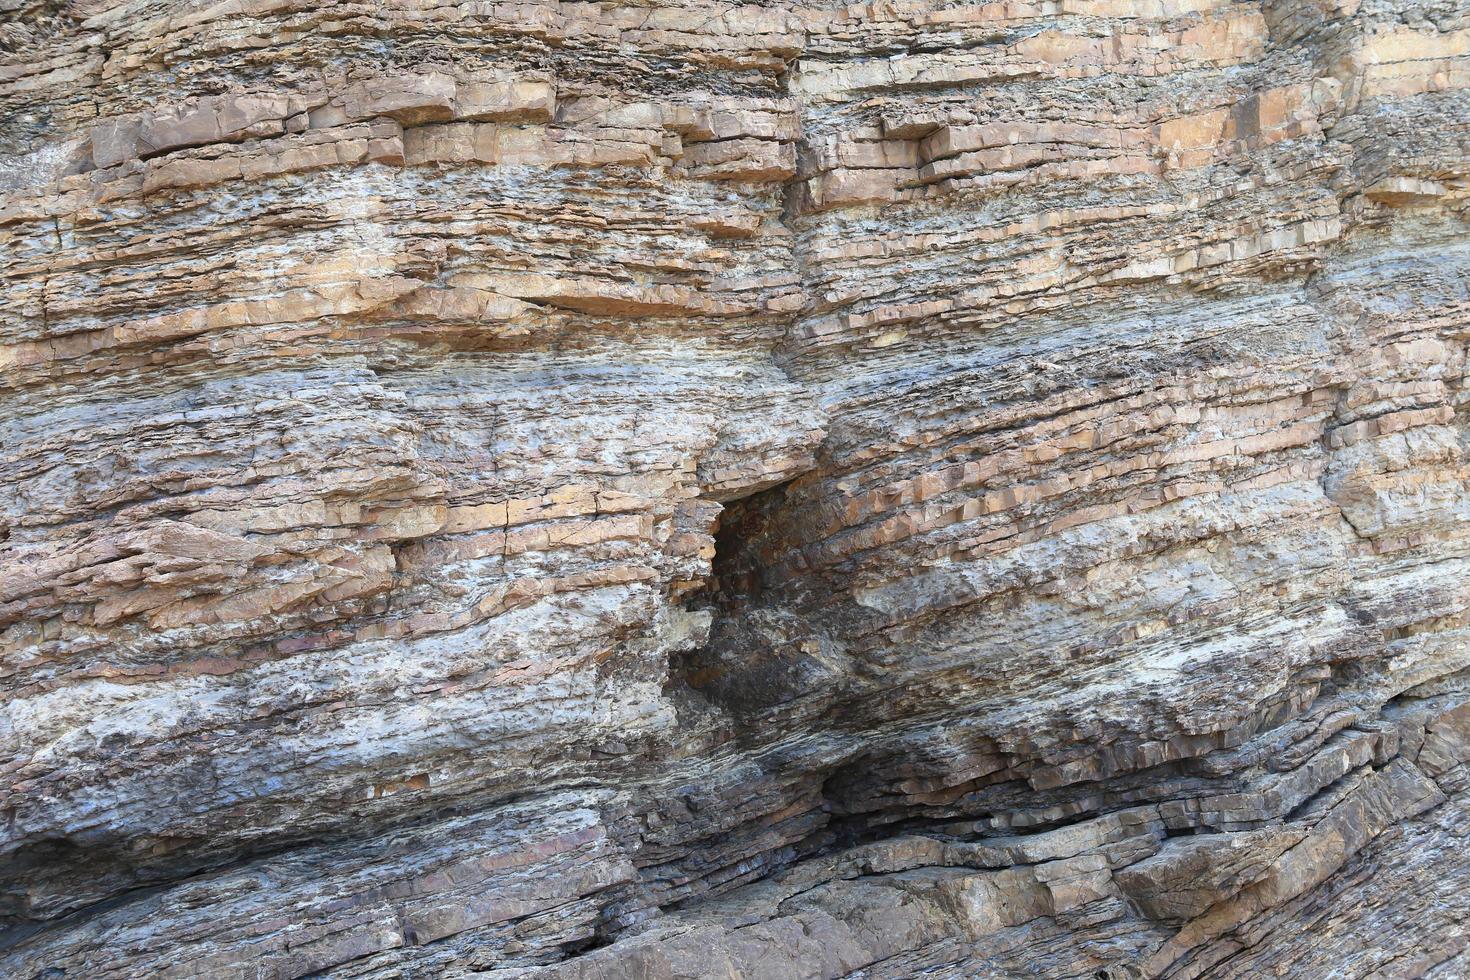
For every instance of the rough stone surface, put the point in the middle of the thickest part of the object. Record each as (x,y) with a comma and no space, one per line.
(700,489)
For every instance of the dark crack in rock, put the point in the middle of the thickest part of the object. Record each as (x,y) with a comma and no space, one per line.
(702,489)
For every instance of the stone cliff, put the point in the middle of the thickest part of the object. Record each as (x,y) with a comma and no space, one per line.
(711,489)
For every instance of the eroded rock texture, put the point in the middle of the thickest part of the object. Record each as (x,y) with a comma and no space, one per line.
(672,490)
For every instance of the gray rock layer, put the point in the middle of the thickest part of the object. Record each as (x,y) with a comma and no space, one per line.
(700,489)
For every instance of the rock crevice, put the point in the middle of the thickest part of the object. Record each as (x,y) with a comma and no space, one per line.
(677,490)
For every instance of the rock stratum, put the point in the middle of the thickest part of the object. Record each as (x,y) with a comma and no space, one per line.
(679,490)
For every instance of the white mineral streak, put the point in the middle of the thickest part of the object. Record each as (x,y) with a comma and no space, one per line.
(692,489)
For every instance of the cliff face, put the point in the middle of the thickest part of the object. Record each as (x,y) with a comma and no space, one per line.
(595,490)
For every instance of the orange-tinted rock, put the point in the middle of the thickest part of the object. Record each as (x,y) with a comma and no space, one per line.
(770,490)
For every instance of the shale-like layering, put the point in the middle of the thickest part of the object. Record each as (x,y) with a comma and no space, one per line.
(701,489)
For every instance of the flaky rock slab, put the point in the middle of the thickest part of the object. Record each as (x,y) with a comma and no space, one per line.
(677,490)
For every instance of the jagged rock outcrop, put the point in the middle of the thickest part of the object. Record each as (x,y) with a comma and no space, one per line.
(693,489)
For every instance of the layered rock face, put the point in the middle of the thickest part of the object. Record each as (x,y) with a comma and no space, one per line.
(678,490)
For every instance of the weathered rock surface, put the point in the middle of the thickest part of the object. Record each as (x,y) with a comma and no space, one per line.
(701,489)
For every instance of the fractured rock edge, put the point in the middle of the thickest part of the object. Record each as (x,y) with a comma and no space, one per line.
(920,491)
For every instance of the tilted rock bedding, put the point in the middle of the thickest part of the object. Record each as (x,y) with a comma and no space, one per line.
(710,489)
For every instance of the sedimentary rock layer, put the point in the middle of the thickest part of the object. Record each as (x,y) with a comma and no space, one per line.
(670,490)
